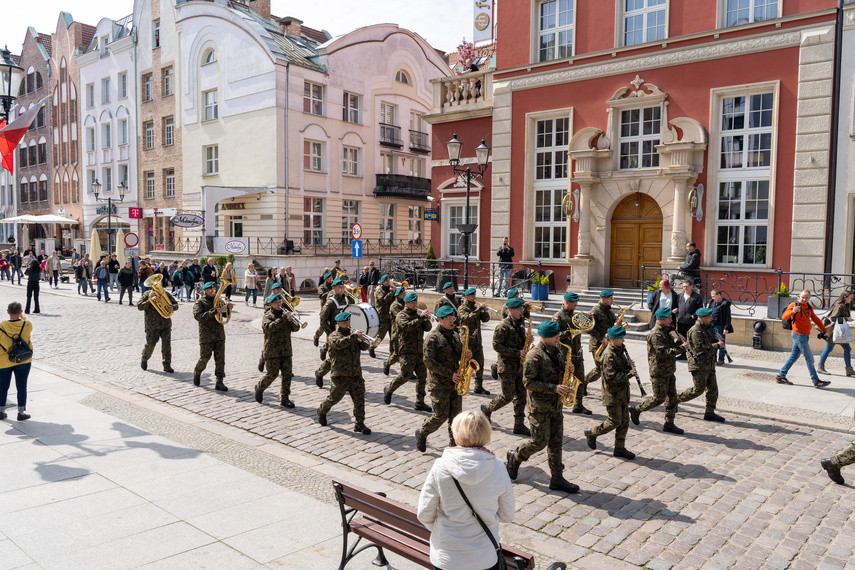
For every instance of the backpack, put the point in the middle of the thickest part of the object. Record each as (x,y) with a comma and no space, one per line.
(20,351)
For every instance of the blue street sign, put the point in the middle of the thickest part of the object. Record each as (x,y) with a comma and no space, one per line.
(431,215)
(356,248)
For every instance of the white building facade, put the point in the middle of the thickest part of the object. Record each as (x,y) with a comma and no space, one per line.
(843,240)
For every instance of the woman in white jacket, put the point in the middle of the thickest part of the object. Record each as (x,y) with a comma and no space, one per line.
(457,541)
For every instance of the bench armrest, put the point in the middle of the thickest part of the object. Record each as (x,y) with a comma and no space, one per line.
(557,566)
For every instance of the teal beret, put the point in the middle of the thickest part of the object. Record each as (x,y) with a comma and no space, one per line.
(571,297)
(338,281)
(327,276)
(411,297)
(663,313)
(703,312)
(514,303)
(447,285)
(607,293)
(342,317)
(209,285)
(399,290)
(274,297)
(276,285)
(616,332)
(338,261)
(548,329)
(383,278)
(444,311)
(470,291)
(513,292)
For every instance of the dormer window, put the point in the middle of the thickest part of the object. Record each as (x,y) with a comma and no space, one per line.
(402,77)
(210,57)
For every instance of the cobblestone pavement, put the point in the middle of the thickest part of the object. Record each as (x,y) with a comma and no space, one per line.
(747,494)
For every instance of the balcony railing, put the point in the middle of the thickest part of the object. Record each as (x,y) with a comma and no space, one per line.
(472,91)
(390,135)
(338,246)
(419,142)
(400,186)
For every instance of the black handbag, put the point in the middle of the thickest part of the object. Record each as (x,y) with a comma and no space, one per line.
(502,564)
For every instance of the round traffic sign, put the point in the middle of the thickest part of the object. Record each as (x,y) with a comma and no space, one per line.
(131,239)
(356,231)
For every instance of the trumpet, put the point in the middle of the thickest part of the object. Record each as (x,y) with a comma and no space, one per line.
(428,315)
(371,340)
(295,316)
(396,284)
(536,308)
(485,306)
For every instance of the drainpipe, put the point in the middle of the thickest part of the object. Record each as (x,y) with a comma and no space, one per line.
(287,157)
(835,130)
(134,41)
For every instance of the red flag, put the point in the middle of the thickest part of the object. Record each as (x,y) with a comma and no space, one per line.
(11,135)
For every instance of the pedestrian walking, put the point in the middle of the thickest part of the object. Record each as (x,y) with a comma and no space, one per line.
(102,276)
(837,318)
(268,284)
(801,314)
(178,282)
(189,280)
(250,284)
(5,275)
(665,297)
(228,275)
(289,281)
(363,283)
(126,283)
(720,320)
(144,273)
(75,257)
(209,271)
(15,341)
(506,264)
(113,267)
(54,267)
(33,276)
(15,265)
(85,277)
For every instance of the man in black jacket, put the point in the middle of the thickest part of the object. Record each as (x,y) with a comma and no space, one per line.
(692,267)
(689,302)
(506,263)
(209,272)
(664,297)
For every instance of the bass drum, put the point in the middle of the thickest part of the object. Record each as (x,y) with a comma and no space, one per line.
(365,318)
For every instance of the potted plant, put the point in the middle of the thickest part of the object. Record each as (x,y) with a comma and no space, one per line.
(535,287)
(778,301)
(544,287)
(651,289)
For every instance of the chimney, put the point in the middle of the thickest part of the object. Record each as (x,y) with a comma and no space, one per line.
(260,7)
(291,26)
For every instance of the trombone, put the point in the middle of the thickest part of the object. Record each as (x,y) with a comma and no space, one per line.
(537,308)
(396,284)
(290,300)
(295,316)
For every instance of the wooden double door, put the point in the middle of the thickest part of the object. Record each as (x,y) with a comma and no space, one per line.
(636,239)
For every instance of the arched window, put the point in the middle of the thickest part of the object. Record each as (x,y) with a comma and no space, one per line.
(402,77)
(39,83)
(210,56)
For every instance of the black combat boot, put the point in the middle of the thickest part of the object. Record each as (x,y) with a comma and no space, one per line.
(623,452)
(371,352)
(386,367)
(713,417)
(259,393)
(317,341)
(832,470)
(422,407)
(220,387)
(387,395)
(421,441)
(559,483)
(323,353)
(143,364)
(578,408)
(319,380)
(591,439)
(167,368)
(197,378)
(634,415)
(481,390)
(361,428)
(520,429)
(494,371)
(486,411)
(671,428)
(322,418)
(286,403)
(513,465)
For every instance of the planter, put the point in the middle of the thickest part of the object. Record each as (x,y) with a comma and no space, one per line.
(535,292)
(776,306)
(544,292)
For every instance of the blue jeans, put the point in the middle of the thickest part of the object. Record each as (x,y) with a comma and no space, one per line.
(105,285)
(19,273)
(829,346)
(85,285)
(504,277)
(114,280)
(800,346)
(53,279)
(254,295)
(21,372)
(720,330)
(4,274)
(136,281)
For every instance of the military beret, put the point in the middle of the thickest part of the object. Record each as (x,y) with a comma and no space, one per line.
(341,317)
(338,261)
(338,281)
(703,312)
(277,285)
(616,332)
(444,311)
(399,290)
(411,297)
(209,285)
(548,329)
(514,303)
(663,313)
(571,297)
(447,285)
(607,293)
(470,291)
(327,276)
(513,292)
(274,297)
(383,277)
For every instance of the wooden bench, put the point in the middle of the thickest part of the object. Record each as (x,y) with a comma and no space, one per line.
(390,525)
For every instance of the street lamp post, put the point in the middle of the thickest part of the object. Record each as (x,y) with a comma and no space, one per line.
(482,155)
(96,189)
(10,82)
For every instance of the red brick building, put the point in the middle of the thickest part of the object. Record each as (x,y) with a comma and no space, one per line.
(640,109)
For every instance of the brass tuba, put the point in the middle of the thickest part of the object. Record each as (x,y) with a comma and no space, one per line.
(468,366)
(161,304)
(221,301)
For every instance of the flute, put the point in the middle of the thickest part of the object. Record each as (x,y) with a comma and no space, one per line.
(688,347)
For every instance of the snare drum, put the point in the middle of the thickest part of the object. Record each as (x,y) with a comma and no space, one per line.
(365,318)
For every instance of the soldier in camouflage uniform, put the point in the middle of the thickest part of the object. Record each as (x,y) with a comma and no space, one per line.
(336,303)
(617,371)
(663,347)
(832,466)
(542,375)
(511,294)
(412,325)
(384,296)
(472,315)
(397,307)
(277,288)
(705,346)
(564,318)
(447,299)
(277,326)
(323,293)
(604,318)
(509,342)
(345,348)
(157,328)
(443,350)
(212,336)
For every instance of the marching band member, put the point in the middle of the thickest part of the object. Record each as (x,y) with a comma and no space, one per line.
(384,296)
(412,326)
(509,342)
(212,336)
(323,293)
(277,326)
(397,307)
(336,303)
(157,328)
(564,318)
(472,315)
(345,349)
(448,299)
(705,346)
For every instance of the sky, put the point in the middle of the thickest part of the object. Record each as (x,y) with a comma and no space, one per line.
(443,23)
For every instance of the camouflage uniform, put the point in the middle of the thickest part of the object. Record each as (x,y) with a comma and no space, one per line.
(662,350)
(277,353)
(604,318)
(616,374)
(396,308)
(564,319)
(157,328)
(508,341)
(384,296)
(410,350)
(845,457)
(212,337)
(452,301)
(542,373)
(443,350)
(526,312)
(323,293)
(345,351)
(333,307)
(702,341)
(472,315)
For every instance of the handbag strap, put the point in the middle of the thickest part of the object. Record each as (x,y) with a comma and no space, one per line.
(481,522)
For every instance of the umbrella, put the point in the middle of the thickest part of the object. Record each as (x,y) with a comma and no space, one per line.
(95,247)
(120,247)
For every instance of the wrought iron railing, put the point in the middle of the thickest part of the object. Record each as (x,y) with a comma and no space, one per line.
(390,135)
(182,245)
(419,141)
(402,186)
(337,246)
(746,289)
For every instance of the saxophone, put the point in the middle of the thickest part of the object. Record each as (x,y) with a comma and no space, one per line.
(570,399)
(529,339)
(598,356)
(468,366)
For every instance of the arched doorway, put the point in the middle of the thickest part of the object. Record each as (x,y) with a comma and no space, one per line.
(636,239)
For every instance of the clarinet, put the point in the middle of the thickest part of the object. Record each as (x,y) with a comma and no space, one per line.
(720,338)
(635,372)
(689,347)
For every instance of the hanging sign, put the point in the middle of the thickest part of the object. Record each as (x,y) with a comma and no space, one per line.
(483,23)
(695,205)
(187,220)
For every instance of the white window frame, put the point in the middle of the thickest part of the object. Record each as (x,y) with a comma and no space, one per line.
(168,81)
(350,161)
(90,178)
(313,221)
(123,131)
(123,86)
(155,34)
(169,183)
(417,166)
(211,160)
(106,135)
(646,12)
(403,77)
(549,150)
(90,95)
(388,114)
(210,57)
(107,180)
(314,152)
(313,98)
(654,138)
(387,163)
(387,223)
(148,87)
(124,173)
(209,102)
(557,30)
(148,129)
(550,169)
(168,131)
(723,12)
(105,90)
(452,234)
(556,228)
(351,108)
(415,220)
(90,139)
(149,185)
(348,218)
